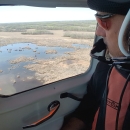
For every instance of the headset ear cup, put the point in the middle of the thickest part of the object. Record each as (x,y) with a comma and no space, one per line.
(123,37)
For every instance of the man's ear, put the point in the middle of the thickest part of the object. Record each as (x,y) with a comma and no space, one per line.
(108,24)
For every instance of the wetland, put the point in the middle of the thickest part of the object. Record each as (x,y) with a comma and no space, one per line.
(35,54)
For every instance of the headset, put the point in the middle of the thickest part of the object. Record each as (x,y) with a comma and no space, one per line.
(124,41)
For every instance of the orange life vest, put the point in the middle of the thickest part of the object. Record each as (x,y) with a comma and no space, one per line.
(115,86)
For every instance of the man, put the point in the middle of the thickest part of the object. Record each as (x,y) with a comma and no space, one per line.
(106,106)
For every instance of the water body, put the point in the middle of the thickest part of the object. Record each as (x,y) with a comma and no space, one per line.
(15,77)
(81,45)
(13,51)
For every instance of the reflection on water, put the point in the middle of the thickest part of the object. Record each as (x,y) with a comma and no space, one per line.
(15,78)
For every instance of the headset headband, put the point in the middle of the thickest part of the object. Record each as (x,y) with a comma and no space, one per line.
(124,35)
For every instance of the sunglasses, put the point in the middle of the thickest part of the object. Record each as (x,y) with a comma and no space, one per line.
(103,19)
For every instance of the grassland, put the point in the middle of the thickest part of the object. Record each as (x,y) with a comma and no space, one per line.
(88,26)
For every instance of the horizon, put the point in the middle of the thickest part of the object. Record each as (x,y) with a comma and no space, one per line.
(46,21)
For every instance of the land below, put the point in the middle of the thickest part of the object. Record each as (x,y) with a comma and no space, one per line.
(52,69)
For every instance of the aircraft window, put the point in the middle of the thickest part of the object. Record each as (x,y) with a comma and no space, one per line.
(43,45)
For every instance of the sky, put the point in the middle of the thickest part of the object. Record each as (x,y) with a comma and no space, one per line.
(13,14)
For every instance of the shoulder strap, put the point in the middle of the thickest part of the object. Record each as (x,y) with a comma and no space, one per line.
(102,111)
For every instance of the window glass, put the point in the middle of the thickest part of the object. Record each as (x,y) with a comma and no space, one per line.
(43,45)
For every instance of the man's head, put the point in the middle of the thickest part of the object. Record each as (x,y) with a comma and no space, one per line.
(110,16)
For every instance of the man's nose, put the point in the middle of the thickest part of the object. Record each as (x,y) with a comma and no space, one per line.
(100,31)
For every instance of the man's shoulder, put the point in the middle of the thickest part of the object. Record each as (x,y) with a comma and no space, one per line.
(98,79)
(101,66)
(99,76)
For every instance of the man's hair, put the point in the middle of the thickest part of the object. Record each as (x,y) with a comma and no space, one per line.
(109,6)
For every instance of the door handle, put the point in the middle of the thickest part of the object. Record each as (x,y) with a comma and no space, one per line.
(65,95)
(52,108)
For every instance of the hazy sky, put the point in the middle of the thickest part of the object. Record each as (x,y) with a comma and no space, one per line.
(11,14)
